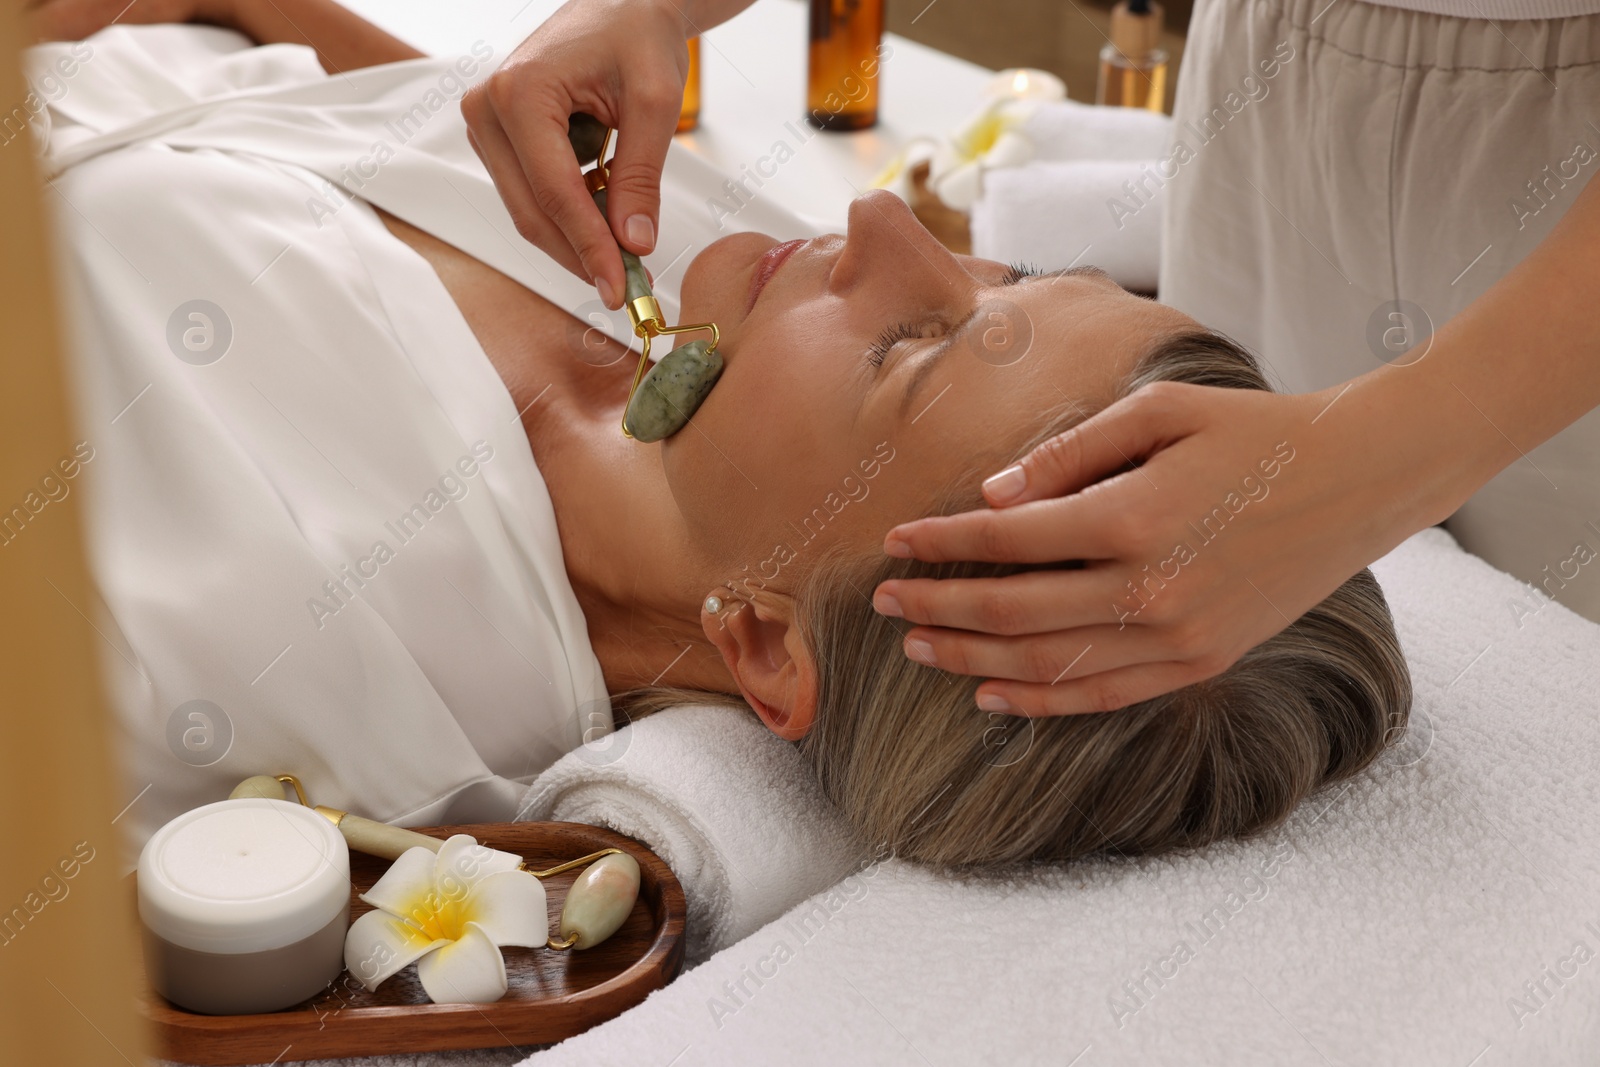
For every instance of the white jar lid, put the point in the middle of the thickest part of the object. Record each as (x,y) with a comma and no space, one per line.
(243,876)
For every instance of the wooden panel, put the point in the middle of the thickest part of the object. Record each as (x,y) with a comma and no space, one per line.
(66,937)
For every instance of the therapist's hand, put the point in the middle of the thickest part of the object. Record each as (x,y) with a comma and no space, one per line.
(625,63)
(1060,641)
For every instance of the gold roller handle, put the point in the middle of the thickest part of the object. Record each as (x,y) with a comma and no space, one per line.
(364,835)
(376,838)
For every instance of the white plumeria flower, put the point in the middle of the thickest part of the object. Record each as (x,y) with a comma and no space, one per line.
(897,175)
(450,912)
(991,138)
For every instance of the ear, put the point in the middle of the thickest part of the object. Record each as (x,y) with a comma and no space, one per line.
(767,655)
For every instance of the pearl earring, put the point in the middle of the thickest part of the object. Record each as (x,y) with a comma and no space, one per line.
(713,605)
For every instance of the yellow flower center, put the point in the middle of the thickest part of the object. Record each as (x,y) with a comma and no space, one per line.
(978,138)
(440,918)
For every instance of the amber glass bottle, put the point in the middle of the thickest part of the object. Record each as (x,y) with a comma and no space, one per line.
(1133,68)
(689,116)
(842,75)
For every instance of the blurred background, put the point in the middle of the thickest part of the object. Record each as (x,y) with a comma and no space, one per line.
(1061,36)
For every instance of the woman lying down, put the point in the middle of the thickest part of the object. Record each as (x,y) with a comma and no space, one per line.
(360,508)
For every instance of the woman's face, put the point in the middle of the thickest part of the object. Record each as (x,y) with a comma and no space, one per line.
(865,372)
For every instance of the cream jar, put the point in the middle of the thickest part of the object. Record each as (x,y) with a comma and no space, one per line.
(244,906)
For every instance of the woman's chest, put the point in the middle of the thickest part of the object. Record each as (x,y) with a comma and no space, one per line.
(565,377)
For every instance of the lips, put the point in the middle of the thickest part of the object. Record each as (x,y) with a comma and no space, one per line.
(766,266)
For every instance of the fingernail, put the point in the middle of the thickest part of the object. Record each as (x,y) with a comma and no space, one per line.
(887,605)
(1007,485)
(641,231)
(921,651)
(896,547)
(606,293)
(993,702)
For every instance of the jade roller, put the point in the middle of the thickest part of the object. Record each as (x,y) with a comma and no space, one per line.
(663,398)
(597,904)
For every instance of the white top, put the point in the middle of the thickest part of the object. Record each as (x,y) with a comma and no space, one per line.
(313,516)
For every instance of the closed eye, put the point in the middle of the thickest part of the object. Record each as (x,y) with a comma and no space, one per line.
(1015,272)
(880,348)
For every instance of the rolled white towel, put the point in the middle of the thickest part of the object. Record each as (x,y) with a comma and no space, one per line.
(728,805)
(1066,130)
(1052,214)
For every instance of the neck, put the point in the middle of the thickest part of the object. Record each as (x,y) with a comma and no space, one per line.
(636,573)
(638,576)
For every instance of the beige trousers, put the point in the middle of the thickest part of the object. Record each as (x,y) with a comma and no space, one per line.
(1356,173)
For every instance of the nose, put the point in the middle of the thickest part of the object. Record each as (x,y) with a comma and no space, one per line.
(884,240)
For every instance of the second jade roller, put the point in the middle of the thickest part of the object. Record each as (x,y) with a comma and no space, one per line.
(664,398)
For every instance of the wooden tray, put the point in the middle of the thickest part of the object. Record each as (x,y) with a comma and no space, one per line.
(553,994)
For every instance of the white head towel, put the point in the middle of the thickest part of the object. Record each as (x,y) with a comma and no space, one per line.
(728,805)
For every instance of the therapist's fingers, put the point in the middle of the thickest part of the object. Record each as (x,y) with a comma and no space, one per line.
(559,192)
(1119,437)
(1260,510)
(1088,525)
(489,139)
(649,119)
(1053,658)
(1040,522)
(1031,602)
(1107,691)
(623,62)
(541,183)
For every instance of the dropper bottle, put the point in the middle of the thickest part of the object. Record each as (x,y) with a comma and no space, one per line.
(1133,68)
(689,112)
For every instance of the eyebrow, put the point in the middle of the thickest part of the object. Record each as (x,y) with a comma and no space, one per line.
(931,361)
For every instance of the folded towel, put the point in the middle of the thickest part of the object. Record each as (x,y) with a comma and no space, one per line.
(728,805)
(1090,193)
(1053,214)
(1067,130)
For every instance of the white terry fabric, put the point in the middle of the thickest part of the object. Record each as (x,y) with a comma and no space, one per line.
(683,781)
(1085,196)
(1053,215)
(1068,130)
(1405,917)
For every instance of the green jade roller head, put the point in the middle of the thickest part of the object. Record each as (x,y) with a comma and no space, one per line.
(665,396)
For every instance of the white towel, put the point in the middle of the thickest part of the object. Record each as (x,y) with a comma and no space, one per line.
(1439,910)
(1089,194)
(1054,214)
(1068,130)
(728,805)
